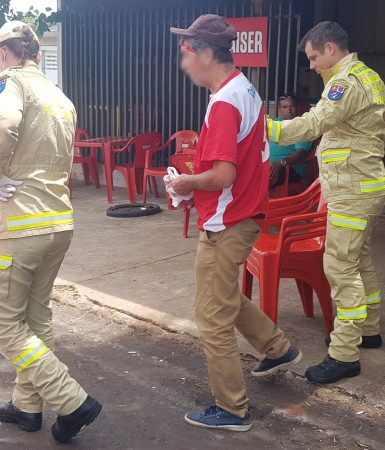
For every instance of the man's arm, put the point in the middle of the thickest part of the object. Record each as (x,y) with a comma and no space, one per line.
(326,115)
(221,176)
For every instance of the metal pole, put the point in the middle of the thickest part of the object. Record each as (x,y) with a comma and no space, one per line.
(277,58)
(288,41)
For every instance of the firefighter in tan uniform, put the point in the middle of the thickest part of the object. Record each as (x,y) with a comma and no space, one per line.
(36,220)
(350,116)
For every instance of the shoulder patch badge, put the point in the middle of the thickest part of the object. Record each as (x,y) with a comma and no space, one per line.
(337,90)
(3,82)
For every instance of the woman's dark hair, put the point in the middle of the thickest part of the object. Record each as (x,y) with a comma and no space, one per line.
(325,32)
(221,54)
(25,48)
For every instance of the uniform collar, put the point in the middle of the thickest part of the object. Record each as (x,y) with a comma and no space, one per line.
(328,74)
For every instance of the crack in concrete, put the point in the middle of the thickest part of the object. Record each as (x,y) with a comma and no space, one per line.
(133,267)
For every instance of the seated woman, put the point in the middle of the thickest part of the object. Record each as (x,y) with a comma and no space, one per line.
(281,155)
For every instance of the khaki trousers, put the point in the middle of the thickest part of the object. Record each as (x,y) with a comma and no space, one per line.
(349,268)
(28,268)
(220,308)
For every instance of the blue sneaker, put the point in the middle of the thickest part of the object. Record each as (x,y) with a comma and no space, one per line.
(218,418)
(269,366)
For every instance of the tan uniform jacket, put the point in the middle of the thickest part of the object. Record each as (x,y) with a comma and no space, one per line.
(350,116)
(37,125)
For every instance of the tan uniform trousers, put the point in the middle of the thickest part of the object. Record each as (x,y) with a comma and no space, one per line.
(221,308)
(351,274)
(26,333)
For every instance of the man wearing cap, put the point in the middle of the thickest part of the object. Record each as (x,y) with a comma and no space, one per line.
(230,185)
(37,125)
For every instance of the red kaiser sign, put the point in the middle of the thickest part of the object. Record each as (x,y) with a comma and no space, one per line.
(250,49)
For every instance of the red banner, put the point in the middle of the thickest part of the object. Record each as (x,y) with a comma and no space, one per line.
(250,49)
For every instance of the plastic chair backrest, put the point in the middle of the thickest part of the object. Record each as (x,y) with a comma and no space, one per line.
(80,135)
(183,162)
(185,140)
(141,143)
(306,202)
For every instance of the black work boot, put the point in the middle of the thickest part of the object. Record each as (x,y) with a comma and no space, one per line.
(330,371)
(26,421)
(367,341)
(67,427)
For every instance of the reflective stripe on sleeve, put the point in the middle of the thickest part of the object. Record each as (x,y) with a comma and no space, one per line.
(335,156)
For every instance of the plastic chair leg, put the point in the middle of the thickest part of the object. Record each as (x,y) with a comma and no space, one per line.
(139,174)
(306,294)
(86,173)
(269,288)
(186,222)
(131,184)
(153,180)
(247,285)
(95,174)
(108,172)
(322,290)
(144,187)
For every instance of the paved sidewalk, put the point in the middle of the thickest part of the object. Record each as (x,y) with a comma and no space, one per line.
(144,267)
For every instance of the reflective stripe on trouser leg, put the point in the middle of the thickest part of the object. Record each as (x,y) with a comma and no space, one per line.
(36,348)
(33,259)
(346,234)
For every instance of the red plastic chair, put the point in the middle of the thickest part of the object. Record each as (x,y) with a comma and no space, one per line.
(183,163)
(89,163)
(185,141)
(131,171)
(286,189)
(295,252)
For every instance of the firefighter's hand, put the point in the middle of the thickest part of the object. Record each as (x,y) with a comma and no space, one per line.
(6,192)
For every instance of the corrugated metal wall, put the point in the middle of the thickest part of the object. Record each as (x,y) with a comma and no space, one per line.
(121,64)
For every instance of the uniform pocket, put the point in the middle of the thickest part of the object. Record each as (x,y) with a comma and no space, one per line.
(336,170)
(5,273)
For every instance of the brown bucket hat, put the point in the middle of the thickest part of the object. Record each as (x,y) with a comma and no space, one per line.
(210,28)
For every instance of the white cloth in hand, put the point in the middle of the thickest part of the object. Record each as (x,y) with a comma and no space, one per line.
(172,174)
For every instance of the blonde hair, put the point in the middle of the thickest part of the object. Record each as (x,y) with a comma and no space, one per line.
(25,48)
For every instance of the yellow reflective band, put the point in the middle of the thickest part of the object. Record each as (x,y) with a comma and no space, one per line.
(348,222)
(46,219)
(36,348)
(5,262)
(335,155)
(352,313)
(357,67)
(372,185)
(373,298)
(275,131)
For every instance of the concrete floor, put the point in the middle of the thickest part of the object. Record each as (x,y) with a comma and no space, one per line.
(144,267)
(147,379)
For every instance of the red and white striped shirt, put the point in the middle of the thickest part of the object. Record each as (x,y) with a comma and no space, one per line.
(234,130)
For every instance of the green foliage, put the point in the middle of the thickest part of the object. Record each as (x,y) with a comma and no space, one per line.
(39,21)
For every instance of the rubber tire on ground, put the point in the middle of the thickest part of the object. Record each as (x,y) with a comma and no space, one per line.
(133,210)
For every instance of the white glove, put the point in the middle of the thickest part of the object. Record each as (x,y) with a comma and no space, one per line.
(6,192)
(7,187)
(172,174)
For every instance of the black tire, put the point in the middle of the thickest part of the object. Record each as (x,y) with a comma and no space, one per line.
(133,210)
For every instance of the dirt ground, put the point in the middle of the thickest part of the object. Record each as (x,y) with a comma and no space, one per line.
(148,378)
